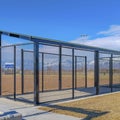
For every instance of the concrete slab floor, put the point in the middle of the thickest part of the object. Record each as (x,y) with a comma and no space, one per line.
(30,112)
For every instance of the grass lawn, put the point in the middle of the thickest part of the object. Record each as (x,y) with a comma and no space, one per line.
(106,107)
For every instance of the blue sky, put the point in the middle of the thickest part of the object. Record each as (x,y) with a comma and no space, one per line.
(64,19)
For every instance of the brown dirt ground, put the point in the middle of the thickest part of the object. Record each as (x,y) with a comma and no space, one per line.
(50,82)
(105,107)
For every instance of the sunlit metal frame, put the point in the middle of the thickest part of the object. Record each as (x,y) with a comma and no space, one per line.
(61,44)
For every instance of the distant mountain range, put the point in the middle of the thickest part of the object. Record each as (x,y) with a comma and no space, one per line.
(52,61)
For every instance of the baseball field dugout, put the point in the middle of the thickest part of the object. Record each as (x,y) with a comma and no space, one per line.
(36,43)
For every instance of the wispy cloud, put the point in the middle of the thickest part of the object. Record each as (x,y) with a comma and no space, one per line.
(114,30)
(109,38)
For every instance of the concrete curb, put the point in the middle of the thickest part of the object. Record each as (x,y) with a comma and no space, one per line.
(84,98)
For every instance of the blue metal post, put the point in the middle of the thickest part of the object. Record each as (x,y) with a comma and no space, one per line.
(73,74)
(42,72)
(111,72)
(36,73)
(0,66)
(60,68)
(22,71)
(96,71)
(14,72)
(85,71)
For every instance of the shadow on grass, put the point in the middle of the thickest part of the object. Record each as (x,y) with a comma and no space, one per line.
(89,112)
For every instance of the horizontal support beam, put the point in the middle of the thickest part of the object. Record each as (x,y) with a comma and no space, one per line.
(55,54)
(16,45)
(59,43)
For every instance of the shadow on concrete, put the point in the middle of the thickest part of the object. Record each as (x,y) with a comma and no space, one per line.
(63,95)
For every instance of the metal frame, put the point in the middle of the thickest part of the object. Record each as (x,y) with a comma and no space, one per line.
(36,73)
(96,71)
(73,74)
(44,41)
(58,43)
(15,72)
(85,60)
(0,66)
(22,71)
(60,68)
(42,72)
(85,71)
(110,59)
(111,73)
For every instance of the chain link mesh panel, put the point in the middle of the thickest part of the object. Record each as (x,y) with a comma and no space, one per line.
(80,71)
(7,70)
(104,72)
(28,72)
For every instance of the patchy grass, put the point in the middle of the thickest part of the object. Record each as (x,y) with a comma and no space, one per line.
(106,107)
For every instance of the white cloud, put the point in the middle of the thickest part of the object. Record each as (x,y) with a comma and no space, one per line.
(110,39)
(113,30)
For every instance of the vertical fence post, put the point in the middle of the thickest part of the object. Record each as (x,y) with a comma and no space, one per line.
(85,71)
(42,72)
(0,65)
(14,72)
(73,73)
(36,73)
(96,71)
(22,70)
(60,68)
(111,72)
